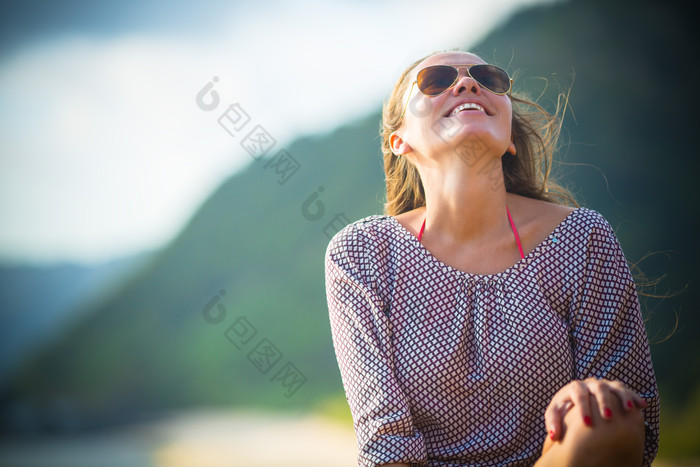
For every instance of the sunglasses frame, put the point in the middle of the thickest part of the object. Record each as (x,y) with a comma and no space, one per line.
(458,68)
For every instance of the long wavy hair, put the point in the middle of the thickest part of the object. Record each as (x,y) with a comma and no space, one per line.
(535,135)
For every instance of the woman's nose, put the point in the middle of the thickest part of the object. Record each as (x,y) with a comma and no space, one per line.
(466,83)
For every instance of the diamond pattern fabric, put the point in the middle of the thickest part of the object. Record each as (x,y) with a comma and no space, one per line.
(445,368)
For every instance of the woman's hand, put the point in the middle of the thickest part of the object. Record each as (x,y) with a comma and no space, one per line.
(576,396)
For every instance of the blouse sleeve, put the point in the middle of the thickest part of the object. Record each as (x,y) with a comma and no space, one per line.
(361,338)
(608,335)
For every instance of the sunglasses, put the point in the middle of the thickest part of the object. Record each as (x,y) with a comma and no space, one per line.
(434,80)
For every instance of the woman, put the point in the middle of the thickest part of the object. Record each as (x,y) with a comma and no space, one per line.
(479,321)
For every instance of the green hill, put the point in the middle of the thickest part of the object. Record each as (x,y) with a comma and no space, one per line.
(630,155)
(149,346)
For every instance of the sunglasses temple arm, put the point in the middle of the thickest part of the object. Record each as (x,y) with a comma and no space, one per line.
(407,100)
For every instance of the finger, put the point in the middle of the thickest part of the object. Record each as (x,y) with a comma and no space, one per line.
(629,399)
(640,402)
(624,394)
(554,415)
(552,419)
(605,394)
(580,396)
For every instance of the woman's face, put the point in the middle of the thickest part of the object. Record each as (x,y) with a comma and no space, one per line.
(434,125)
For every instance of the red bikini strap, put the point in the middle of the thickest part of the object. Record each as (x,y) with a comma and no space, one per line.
(515,232)
(420,235)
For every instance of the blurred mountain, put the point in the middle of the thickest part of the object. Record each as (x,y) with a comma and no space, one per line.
(233,311)
(258,242)
(38,301)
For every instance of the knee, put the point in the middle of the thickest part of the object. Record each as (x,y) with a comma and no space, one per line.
(616,441)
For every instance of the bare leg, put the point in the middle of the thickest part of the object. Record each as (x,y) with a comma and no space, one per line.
(615,442)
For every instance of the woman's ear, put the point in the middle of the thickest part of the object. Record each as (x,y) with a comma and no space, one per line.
(511,148)
(398,145)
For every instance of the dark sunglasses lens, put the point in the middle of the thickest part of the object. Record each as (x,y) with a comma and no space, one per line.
(435,79)
(491,77)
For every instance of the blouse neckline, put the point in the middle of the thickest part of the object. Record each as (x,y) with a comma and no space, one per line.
(520,264)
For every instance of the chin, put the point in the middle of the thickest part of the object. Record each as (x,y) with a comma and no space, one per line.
(476,141)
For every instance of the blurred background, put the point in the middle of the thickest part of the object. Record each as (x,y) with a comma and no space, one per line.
(171,174)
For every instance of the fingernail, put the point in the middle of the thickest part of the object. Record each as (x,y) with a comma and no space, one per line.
(607,412)
(630,404)
(551,435)
(587,420)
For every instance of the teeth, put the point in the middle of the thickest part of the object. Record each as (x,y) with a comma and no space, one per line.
(468,105)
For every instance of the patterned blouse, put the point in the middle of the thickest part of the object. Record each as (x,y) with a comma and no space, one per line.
(444,368)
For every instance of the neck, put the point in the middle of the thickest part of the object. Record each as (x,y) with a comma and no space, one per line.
(464,203)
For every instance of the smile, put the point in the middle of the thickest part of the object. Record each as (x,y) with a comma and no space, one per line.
(466,106)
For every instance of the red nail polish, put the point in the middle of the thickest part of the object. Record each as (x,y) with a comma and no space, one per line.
(587,420)
(607,412)
(630,404)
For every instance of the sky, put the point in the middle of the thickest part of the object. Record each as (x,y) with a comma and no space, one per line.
(109,131)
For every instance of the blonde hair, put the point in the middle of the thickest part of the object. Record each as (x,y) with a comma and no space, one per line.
(535,135)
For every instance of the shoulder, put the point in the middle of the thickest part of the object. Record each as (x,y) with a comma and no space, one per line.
(357,248)
(360,234)
(588,223)
(589,232)
(588,228)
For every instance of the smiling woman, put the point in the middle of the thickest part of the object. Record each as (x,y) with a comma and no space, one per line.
(481,320)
